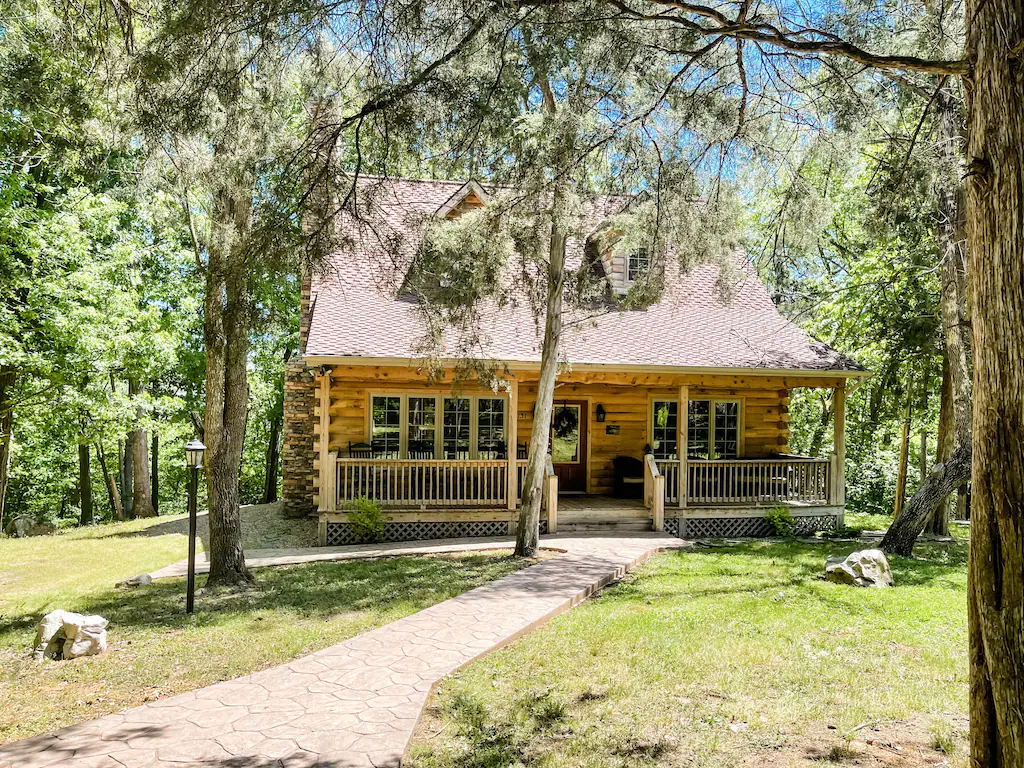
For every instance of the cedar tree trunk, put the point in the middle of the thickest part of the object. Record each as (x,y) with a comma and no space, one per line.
(226,335)
(138,444)
(84,484)
(111,483)
(273,459)
(995,233)
(528,532)
(6,429)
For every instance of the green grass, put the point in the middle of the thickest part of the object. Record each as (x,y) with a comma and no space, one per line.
(713,657)
(155,650)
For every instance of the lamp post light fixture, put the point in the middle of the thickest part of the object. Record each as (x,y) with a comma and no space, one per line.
(194,460)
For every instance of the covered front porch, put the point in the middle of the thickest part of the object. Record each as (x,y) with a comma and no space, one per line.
(444,463)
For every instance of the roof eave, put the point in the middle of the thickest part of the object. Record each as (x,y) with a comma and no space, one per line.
(530,365)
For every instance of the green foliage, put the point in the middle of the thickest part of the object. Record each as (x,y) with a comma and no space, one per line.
(781,520)
(366,519)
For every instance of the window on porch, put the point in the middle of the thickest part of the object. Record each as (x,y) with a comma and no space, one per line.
(409,426)
(713,429)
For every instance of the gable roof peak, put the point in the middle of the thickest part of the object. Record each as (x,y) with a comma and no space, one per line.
(454,205)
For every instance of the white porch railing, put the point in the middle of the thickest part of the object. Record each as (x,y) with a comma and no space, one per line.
(423,482)
(757,482)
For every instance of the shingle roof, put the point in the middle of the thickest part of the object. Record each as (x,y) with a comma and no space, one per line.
(358,311)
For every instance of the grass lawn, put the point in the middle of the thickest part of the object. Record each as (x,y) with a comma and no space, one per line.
(154,650)
(726,656)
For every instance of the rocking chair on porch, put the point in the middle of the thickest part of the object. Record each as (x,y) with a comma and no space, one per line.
(629,477)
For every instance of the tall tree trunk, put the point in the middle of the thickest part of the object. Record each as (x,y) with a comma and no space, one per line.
(995,188)
(7,380)
(528,532)
(273,459)
(111,483)
(818,438)
(125,465)
(901,471)
(906,528)
(939,522)
(155,471)
(84,485)
(142,499)
(226,335)
(227,386)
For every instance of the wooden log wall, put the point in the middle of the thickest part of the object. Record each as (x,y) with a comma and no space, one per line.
(764,418)
(625,396)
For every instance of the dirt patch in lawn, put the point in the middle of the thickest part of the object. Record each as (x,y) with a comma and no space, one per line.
(901,744)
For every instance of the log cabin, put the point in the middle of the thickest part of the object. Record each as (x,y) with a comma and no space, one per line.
(672,417)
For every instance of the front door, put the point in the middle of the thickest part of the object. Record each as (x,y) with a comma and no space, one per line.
(569,445)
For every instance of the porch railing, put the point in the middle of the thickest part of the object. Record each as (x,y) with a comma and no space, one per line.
(483,483)
(758,482)
(423,482)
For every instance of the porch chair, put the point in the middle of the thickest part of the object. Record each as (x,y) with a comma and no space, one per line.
(629,477)
(360,450)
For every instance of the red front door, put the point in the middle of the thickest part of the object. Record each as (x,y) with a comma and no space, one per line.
(569,445)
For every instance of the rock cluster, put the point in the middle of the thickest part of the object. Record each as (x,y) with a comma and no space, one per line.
(67,635)
(866,568)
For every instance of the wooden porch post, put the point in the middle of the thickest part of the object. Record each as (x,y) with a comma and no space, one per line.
(512,443)
(839,443)
(327,503)
(682,441)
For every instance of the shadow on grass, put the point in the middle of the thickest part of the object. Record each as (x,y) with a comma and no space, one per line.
(176,526)
(313,590)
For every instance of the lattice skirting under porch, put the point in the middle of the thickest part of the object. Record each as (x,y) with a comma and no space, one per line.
(343,533)
(742,527)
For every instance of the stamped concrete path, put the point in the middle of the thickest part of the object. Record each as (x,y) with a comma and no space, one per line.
(353,704)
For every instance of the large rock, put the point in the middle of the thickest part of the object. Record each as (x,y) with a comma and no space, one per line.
(67,635)
(866,568)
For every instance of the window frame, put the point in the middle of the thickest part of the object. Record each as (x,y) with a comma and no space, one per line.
(439,398)
(634,255)
(655,401)
(711,401)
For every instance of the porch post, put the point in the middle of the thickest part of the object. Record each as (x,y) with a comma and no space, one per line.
(682,441)
(512,442)
(839,443)
(326,502)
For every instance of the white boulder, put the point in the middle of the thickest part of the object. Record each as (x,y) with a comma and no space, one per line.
(866,568)
(68,635)
(142,580)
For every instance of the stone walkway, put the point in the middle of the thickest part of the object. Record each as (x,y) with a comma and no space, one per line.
(354,704)
(263,558)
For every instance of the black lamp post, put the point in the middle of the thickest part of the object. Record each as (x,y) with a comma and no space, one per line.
(194,460)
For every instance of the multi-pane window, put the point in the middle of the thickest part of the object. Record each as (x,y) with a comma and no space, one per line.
(727,429)
(386,427)
(422,427)
(637,264)
(698,428)
(404,426)
(712,429)
(456,427)
(490,428)
(664,431)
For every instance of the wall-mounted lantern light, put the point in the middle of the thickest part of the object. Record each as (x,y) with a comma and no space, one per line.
(600,412)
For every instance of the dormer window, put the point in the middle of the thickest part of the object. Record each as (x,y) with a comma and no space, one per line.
(638,263)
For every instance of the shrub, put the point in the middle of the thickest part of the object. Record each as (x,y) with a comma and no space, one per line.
(366,519)
(781,521)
